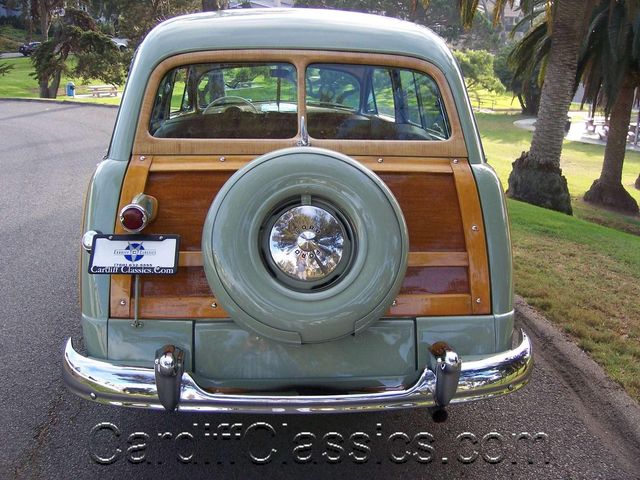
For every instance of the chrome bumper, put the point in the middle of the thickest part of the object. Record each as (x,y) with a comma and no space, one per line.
(107,383)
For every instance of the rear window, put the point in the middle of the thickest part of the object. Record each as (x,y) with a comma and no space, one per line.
(368,102)
(226,100)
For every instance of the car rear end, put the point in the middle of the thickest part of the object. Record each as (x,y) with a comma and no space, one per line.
(195,337)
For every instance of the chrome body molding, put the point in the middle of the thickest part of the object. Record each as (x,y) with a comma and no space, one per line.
(128,386)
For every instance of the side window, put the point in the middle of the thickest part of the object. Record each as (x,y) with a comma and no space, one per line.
(434,116)
(410,97)
(179,95)
(383,92)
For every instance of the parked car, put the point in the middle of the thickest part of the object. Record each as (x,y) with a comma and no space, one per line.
(27,49)
(325,238)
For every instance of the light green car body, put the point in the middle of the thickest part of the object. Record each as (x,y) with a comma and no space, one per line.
(388,352)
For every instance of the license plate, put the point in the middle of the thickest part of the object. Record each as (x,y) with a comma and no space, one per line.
(134,254)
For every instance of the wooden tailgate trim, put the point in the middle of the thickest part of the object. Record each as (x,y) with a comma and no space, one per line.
(146,174)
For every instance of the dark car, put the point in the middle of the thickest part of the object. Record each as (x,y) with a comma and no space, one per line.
(28,48)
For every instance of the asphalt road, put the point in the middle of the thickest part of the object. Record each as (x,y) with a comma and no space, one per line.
(47,154)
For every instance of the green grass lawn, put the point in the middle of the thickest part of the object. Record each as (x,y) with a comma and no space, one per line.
(583,274)
(18,83)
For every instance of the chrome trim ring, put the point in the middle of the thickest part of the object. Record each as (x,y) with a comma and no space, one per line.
(145,217)
(307,243)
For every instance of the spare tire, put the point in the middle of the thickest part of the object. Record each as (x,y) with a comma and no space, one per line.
(305,245)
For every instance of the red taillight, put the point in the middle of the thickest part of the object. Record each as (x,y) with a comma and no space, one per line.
(133,218)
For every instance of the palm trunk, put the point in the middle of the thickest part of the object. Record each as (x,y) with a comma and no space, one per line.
(608,190)
(536,177)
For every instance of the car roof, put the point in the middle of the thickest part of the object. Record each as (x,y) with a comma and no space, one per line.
(293,28)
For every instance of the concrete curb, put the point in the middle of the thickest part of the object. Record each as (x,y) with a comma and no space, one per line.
(609,411)
(55,101)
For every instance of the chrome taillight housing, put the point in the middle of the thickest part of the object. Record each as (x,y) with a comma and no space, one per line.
(135,216)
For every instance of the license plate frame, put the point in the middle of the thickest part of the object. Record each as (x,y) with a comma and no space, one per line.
(134,254)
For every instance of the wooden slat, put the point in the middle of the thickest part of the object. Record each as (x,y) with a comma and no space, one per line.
(454,304)
(180,307)
(474,234)
(200,163)
(190,259)
(200,307)
(134,183)
(416,259)
(438,259)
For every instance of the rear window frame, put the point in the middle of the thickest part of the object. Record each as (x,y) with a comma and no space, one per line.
(146,144)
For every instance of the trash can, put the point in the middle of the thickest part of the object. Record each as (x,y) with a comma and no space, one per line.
(71,89)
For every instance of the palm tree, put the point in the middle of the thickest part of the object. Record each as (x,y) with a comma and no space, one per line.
(536,176)
(610,63)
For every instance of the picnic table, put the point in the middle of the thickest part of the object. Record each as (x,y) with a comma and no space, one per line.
(99,90)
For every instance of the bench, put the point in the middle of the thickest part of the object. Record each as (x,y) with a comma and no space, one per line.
(98,90)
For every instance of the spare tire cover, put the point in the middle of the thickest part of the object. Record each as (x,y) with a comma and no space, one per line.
(305,245)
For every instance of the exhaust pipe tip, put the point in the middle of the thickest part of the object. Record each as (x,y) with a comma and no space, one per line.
(439,415)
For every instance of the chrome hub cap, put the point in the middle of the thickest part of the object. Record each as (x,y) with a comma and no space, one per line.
(307,243)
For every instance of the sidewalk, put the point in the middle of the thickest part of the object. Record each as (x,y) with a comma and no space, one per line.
(577,132)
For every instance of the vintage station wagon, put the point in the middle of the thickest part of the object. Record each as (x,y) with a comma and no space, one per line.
(295,215)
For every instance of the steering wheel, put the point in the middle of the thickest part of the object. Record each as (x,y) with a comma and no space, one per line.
(230,99)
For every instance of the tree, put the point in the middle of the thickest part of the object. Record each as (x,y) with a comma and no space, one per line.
(524,86)
(536,176)
(213,5)
(610,68)
(136,19)
(477,67)
(96,55)
(389,8)
(43,11)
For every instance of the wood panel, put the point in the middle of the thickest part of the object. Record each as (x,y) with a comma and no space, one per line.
(145,143)
(453,304)
(192,282)
(435,280)
(474,234)
(134,182)
(184,199)
(187,294)
(430,207)
(448,267)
